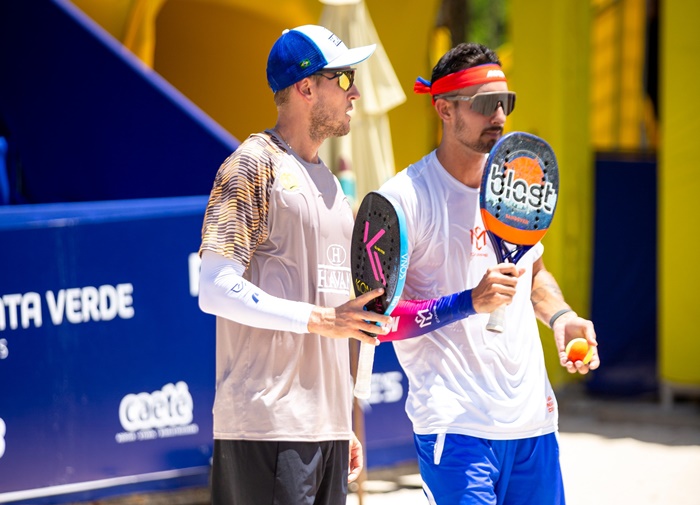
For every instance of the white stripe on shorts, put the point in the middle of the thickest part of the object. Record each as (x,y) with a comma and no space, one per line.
(439,446)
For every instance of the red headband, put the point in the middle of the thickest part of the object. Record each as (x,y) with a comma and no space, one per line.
(480,74)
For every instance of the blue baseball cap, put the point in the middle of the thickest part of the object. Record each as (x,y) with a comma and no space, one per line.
(305,50)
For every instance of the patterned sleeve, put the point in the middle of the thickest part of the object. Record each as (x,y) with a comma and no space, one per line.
(235,221)
(413,318)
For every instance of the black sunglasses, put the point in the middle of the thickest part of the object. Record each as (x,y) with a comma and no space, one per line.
(487,103)
(345,78)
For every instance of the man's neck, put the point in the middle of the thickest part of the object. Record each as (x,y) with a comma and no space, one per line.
(297,138)
(463,164)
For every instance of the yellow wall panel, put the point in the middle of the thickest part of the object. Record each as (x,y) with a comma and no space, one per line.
(618,101)
(604,76)
(552,87)
(679,187)
(632,74)
(216,55)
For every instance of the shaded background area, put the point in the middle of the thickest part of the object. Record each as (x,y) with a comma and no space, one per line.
(88,121)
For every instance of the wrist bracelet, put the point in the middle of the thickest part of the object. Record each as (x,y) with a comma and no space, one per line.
(557,315)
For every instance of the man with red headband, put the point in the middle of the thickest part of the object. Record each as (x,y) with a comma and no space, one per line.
(483,411)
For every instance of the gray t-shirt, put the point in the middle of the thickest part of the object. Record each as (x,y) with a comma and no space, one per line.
(289,224)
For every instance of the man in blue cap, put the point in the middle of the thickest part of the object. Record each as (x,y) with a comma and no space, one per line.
(276,273)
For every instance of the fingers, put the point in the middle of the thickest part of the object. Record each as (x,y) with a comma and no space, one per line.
(595,360)
(593,363)
(366,298)
(509,269)
(370,321)
(581,367)
(496,288)
(369,315)
(575,328)
(369,326)
(589,333)
(351,320)
(354,473)
(362,330)
(365,338)
(356,459)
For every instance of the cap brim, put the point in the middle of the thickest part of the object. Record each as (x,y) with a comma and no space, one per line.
(352,57)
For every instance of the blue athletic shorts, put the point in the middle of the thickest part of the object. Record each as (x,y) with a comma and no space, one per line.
(458,469)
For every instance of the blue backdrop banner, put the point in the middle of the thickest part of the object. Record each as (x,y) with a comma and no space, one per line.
(107,362)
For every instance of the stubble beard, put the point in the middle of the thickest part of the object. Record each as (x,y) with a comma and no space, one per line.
(323,125)
(478,145)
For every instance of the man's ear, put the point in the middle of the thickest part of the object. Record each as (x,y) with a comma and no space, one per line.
(305,88)
(444,109)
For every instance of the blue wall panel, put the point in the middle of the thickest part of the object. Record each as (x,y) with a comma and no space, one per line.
(108,363)
(86,120)
(624,306)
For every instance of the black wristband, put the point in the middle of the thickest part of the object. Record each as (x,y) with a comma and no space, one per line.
(557,315)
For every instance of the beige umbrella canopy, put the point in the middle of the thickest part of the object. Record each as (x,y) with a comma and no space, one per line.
(364,156)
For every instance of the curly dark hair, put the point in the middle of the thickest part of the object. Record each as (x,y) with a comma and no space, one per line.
(464,55)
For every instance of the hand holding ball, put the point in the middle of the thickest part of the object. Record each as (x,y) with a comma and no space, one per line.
(579,350)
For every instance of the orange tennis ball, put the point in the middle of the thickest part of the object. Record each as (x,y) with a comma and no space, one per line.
(578,350)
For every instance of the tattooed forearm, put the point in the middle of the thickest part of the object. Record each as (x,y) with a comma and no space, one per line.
(546,296)
(541,293)
(545,286)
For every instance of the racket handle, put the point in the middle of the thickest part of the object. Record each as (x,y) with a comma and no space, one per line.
(497,320)
(363,382)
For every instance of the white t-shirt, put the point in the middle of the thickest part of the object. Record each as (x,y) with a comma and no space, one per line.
(462,378)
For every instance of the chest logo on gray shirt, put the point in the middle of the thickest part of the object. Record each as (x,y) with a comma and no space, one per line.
(334,277)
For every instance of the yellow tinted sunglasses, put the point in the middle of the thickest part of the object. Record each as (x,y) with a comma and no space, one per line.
(346,78)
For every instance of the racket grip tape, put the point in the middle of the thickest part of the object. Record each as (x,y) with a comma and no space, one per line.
(363,381)
(497,320)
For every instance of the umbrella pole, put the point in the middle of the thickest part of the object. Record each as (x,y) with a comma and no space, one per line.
(358,421)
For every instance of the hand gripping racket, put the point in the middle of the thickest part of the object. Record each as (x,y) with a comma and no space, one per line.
(519,192)
(378,259)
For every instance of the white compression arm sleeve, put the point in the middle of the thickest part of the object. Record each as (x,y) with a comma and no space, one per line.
(223,292)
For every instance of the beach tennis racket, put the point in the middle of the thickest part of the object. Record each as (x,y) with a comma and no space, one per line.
(519,193)
(379,259)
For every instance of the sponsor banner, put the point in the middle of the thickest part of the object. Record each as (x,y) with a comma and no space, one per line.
(107,362)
